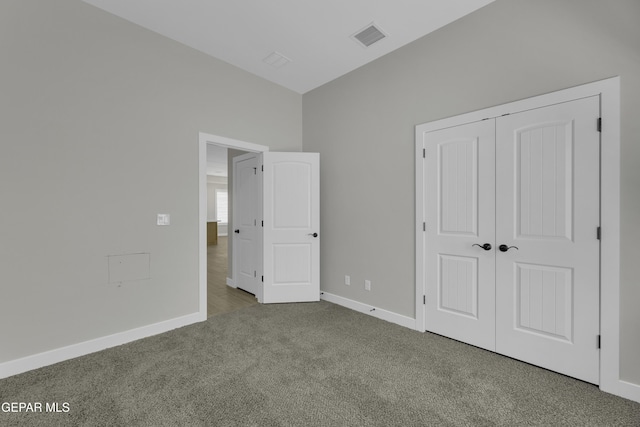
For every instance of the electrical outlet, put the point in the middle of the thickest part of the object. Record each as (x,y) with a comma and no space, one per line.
(347,280)
(367,285)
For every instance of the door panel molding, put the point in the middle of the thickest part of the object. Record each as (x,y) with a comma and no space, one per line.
(609,92)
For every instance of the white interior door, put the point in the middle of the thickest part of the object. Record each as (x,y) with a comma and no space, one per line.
(528,184)
(246,226)
(460,233)
(547,288)
(291,233)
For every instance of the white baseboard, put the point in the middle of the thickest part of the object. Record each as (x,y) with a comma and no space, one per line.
(623,389)
(230,282)
(389,316)
(18,366)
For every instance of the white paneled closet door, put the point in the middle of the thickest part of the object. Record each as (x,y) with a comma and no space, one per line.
(460,233)
(547,211)
(511,249)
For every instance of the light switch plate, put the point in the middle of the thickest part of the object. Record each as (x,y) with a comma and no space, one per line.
(164,219)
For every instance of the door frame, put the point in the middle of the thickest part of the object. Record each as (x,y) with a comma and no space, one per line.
(609,92)
(205,139)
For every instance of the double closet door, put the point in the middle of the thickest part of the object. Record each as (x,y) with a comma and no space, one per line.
(511,242)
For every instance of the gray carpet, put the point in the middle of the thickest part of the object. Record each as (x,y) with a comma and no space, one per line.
(305,365)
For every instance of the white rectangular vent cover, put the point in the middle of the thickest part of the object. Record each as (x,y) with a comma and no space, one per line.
(276,60)
(369,35)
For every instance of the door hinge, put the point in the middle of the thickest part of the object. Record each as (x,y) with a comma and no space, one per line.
(424,299)
(255,171)
(262,223)
(262,279)
(598,233)
(262,168)
(599,125)
(599,341)
(424,226)
(424,153)
(255,273)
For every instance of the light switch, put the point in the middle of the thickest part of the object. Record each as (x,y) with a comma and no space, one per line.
(164,219)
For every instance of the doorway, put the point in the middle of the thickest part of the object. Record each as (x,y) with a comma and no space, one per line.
(289,239)
(204,253)
(223,293)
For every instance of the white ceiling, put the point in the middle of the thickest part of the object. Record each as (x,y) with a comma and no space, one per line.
(314,34)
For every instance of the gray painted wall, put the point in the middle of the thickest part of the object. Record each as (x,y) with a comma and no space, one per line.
(99,133)
(362,124)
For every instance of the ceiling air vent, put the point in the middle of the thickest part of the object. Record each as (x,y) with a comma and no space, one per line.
(369,35)
(276,60)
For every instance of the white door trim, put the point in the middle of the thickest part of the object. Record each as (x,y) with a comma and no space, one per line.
(609,92)
(203,140)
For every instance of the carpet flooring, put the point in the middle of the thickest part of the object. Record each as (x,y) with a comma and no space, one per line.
(313,364)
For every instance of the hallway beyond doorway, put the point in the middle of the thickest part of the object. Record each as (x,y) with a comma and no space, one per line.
(220,297)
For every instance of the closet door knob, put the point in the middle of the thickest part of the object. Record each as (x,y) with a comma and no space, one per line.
(236,231)
(505,248)
(486,246)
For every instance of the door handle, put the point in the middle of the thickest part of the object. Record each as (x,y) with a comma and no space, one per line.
(236,231)
(313,234)
(505,248)
(486,246)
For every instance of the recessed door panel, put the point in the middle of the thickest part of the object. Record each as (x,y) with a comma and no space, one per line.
(543,303)
(458,187)
(292,264)
(292,204)
(246,190)
(246,258)
(544,180)
(458,285)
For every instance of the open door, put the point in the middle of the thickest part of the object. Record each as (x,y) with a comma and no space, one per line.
(246,223)
(291,233)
